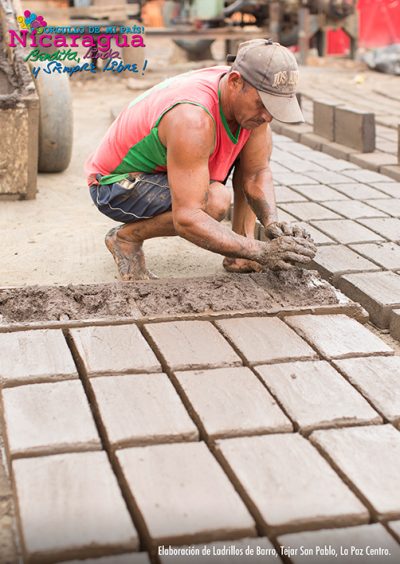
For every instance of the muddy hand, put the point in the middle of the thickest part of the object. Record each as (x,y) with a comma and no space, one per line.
(283,252)
(282,228)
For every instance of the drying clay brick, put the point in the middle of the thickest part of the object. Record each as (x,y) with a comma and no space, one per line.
(232,402)
(132,558)
(70,506)
(192,345)
(394,527)
(359,191)
(183,495)
(369,458)
(337,150)
(316,396)
(388,227)
(355,129)
(389,188)
(395,324)
(368,176)
(312,140)
(346,231)
(390,206)
(354,209)
(48,418)
(320,193)
(338,336)
(306,211)
(285,194)
(329,177)
(349,545)
(229,552)
(378,379)
(384,254)
(284,216)
(324,119)
(289,483)
(377,292)
(336,165)
(34,356)
(317,236)
(373,161)
(142,409)
(265,339)
(293,178)
(392,172)
(334,260)
(115,349)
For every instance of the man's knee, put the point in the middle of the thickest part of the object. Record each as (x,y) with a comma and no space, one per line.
(219,200)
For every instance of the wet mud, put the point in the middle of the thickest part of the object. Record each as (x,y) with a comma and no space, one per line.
(230,292)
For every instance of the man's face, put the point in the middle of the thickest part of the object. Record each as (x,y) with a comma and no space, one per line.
(248,109)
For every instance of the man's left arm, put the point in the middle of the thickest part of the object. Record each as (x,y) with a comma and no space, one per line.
(258,184)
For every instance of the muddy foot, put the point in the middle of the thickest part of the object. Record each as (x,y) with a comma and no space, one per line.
(241,265)
(128,256)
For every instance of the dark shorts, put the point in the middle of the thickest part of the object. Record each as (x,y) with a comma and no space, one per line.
(131,200)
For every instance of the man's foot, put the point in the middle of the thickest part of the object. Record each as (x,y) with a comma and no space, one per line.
(241,265)
(128,256)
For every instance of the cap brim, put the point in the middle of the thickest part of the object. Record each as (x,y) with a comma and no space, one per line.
(282,108)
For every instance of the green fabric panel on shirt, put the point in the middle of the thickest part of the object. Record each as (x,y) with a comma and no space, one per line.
(146,155)
(232,137)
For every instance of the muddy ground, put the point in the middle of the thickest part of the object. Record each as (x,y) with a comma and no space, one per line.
(230,292)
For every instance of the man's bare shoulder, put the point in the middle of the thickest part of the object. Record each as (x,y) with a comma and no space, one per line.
(188,120)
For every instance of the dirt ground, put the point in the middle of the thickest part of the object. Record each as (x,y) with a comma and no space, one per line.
(59,237)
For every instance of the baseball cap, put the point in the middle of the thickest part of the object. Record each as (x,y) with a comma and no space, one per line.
(272,70)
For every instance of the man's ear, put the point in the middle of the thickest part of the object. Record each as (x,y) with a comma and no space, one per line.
(235,81)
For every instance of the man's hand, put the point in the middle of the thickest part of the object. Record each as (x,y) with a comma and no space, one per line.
(281,228)
(283,252)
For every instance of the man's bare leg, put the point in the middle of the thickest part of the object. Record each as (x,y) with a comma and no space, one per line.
(125,243)
(243,223)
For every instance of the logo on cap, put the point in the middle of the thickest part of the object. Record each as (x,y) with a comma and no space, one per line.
(285,78)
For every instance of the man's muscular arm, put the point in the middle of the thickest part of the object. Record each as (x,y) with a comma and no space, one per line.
(188,133)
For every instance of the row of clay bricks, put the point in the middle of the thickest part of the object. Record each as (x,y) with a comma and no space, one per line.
(266,377)
(356,225)
(355,139)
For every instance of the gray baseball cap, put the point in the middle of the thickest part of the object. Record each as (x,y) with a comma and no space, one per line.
(272,70)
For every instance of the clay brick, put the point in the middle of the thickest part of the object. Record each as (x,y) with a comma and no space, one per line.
(324,118)
(378,379)
(373,161)
(377,292)
(359,191)
(392,172)
(183,495)
(70,506)
(320,192)
(369,458)
(355,129)
(388,227)
(384,254)
(142,409)
(318,237)
(306,211)
(337,150)
(285,194)
(334,260)
(351,539)
(132,558)
(391,189)
(329,177)
(229,552)
(337,165)
(113,350)
(394,527)
(48,418)
(231,402)
(293,178)
(265,340)
(354,209)
(312,140)
(347,231)
(192,345)
(35,356)
(395,324)
(284,216)
(288,483)
(338,336)
(316,396)
(390,206)
(367,176)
